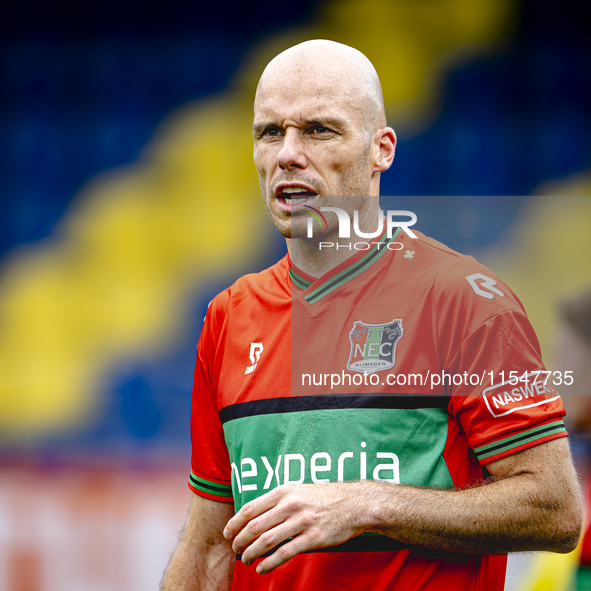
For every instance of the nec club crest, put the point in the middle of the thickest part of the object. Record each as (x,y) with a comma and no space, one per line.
(373,346)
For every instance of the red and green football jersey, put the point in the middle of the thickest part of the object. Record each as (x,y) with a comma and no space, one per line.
(389,367)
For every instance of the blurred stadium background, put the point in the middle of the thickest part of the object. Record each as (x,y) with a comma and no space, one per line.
(129,198)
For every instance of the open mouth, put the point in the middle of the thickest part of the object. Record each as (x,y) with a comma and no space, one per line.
(292,199)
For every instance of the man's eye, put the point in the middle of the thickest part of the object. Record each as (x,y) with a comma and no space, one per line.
(272,131)
(320,129)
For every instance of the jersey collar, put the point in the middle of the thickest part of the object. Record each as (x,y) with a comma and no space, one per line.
(314,290)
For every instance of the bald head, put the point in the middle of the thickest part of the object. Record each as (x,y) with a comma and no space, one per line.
(322,65)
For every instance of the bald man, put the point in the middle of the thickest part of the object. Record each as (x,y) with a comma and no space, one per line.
(362,484)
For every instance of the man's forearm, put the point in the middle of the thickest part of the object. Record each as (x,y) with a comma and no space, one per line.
(534,503)
(504,516)
(203,560)
(199,568)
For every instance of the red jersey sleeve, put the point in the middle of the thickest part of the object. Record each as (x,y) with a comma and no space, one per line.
(210,463)
(502,401)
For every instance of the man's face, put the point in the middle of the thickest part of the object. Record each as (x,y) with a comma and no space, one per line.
(310,147)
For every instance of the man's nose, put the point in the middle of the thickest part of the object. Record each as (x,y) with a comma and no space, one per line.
(292,153)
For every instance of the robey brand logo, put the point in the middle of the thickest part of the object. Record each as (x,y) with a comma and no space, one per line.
(255,354)
(478,281)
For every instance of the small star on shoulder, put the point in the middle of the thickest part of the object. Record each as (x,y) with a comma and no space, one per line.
(410,254)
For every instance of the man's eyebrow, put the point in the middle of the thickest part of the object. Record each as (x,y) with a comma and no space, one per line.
(327,122)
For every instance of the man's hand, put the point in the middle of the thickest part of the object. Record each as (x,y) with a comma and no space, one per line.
(314,515)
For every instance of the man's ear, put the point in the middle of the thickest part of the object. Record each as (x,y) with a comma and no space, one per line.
(386,145)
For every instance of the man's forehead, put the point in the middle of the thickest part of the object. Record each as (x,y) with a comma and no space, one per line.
(310,80)
(303,109)
(302,100)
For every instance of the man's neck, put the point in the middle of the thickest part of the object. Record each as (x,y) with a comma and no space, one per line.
(316,258)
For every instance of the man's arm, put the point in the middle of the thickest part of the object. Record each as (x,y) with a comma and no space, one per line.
(203,560)
(533,503)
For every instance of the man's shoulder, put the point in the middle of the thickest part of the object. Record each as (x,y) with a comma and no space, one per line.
(436,256)
(269,284)
(451,275)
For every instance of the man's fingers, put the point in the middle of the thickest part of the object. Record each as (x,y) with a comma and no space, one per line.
(299,544)
(258,527)
(249,512)
(286,508)
(270,539)
(260,506)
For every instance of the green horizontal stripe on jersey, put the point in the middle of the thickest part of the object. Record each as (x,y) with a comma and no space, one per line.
(299,281)
(331,445)
(353,270)
(491,449)
(270,406)
(213,488)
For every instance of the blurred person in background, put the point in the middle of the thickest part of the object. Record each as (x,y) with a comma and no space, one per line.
(574,355)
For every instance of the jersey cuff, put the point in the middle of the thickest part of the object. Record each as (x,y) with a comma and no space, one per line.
(210,489)
(507,446)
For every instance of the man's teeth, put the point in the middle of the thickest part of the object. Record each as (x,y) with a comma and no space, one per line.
(292,191)
(296,200)
(295,190)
